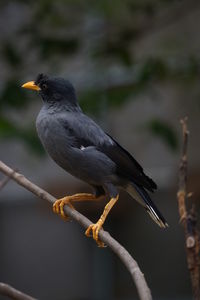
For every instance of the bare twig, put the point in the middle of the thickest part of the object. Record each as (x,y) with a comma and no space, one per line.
(9,291)
(131,265)
(188,219)
(4,181)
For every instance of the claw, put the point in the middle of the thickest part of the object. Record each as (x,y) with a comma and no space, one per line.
(95,228)
(58,207)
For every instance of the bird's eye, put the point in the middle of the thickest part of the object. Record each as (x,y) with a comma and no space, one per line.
(44,86)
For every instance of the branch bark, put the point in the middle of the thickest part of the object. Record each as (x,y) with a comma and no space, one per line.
(4,181)
(9,291)
(189,219)
(131,265)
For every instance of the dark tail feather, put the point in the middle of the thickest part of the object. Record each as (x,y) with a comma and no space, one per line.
(144,199)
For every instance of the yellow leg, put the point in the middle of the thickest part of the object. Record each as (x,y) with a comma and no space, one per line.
(58,206)
(97,226)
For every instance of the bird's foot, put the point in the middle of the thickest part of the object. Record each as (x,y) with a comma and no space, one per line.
(95,228)
(58,207)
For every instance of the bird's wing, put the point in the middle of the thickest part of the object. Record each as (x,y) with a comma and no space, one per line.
(128,167)
(85,133)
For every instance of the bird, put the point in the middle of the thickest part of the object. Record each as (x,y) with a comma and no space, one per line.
(83,149)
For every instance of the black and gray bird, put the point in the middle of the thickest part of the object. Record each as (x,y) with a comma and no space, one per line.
(78,145)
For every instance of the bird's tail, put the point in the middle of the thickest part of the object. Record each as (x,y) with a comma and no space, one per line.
(141,196)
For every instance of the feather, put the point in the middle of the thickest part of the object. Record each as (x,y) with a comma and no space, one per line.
(127,166)
(85,132)
(141,196)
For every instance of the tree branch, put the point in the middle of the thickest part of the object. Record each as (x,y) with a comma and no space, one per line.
(131,265)
(4,181)
(9,291)
(189,219)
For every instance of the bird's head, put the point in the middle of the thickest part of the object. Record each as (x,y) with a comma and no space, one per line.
(53,90)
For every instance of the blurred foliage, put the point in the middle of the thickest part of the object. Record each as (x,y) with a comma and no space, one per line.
(164,131)
(53,32)
(115,97)
(12,96)
(11,55)
(28,135)
(59,46)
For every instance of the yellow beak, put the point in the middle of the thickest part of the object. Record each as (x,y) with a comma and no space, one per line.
(31,86)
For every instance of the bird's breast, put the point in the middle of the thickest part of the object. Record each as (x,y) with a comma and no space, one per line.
(54,139)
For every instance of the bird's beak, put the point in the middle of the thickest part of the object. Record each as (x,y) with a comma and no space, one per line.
(31,86)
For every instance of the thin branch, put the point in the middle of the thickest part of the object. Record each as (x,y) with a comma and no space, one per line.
(189,219)
(9,291)
(131,265)
(4,181)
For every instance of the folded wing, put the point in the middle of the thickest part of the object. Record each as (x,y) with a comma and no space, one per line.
(85,132)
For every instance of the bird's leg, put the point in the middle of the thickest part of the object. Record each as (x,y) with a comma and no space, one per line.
(58,206)
(97,226)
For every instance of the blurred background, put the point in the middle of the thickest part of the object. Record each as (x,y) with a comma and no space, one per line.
(136,67)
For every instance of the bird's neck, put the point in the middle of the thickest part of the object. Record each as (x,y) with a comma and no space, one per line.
(60,107)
